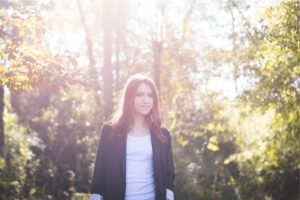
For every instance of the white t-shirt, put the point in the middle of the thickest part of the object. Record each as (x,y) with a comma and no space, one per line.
(139,168)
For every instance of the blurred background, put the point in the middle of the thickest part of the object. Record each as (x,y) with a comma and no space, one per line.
(227,71)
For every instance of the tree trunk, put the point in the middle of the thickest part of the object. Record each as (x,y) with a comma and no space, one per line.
(107,55)
(157,42)
(119,29)
(235,64)
(157,51)
(90,51)
(117,65)
(1,119)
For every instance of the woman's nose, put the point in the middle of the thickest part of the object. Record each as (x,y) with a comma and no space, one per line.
(146,99)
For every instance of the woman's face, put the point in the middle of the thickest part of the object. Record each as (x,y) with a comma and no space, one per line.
(144,99)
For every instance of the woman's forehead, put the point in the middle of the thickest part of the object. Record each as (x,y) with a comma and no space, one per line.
(144,88)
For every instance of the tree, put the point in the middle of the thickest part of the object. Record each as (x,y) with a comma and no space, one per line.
(107,71)
(276,72)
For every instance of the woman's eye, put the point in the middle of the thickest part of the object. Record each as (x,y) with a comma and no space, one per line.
(139,95)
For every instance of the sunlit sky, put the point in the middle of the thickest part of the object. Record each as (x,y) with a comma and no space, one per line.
(65,33)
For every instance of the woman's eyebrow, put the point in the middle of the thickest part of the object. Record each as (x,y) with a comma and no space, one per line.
(141,92)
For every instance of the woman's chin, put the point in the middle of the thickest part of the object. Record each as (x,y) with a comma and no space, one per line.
(143,112)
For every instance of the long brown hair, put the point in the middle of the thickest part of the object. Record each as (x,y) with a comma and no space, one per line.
(122,120)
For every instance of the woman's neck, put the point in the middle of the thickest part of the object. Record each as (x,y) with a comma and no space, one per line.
(140,126)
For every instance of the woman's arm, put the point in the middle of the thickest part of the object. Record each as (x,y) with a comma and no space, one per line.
(97,188)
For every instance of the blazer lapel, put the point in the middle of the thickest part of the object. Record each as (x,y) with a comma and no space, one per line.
(121,144)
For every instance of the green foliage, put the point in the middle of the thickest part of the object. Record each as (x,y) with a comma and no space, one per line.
(26,63)
(20,163)
(203,140)
(279,58)
(274,169)
(68,126)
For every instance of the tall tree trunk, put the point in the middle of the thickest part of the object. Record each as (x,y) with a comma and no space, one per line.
(157,42)
(107,64)
(157,51)
(90,51)
(121,14)
(235,64)
(117,64)
(1,119)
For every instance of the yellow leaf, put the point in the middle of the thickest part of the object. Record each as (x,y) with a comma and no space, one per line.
(213,139)
(226,162)
(21,31)
(213,147)
(182,142)
(2,163)
(231,180)
(210,127)
(2,69)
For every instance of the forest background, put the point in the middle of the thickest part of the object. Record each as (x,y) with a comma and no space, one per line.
(227,71)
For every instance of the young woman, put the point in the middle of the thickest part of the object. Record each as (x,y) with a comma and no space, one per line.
(134,159)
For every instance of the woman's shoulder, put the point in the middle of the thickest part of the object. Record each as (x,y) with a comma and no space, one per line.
(106,129)
(107,125)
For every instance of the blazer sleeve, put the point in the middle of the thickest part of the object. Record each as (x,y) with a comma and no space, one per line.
(97,186)
(170,163)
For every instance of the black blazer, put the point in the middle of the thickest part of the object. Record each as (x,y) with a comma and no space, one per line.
(109,177)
